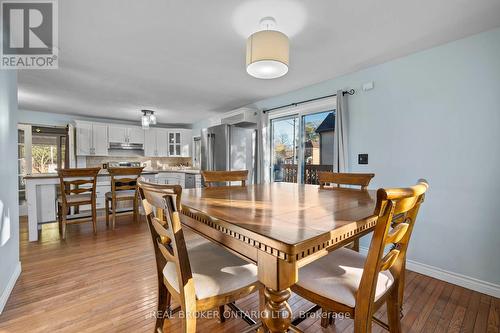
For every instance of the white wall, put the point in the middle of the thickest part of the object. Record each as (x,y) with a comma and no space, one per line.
(10,267)
(57,119)
(435,115)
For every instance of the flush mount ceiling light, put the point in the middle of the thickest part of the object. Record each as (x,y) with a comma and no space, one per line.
(148,118)
(267,51)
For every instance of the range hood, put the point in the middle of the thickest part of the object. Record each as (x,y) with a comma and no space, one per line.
(125,146)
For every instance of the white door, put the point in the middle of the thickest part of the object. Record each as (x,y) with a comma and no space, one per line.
(135,135)
(150,142)
(100,139)
(83,139)
(117,134)
(162,142)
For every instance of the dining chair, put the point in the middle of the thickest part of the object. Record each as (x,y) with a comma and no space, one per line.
(78,187)
(123,188)
(333,180)
(211,178)
(200,276)
(345,281)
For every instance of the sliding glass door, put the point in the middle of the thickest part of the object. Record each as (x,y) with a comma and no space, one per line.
(317,145)
(284,149)
(301,142)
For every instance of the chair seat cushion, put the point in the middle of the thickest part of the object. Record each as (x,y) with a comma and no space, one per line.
(215,270)
(337,276)
(121,194)
(74,198)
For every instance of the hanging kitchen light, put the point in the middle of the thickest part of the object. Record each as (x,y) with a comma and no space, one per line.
(148,118)
(267,51)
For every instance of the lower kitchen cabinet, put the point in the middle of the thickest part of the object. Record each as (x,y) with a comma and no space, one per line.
(186,180)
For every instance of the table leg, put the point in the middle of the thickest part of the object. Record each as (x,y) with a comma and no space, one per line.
(277,275)
(277,314)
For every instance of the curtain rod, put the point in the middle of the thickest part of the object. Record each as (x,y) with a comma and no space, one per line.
(348,92)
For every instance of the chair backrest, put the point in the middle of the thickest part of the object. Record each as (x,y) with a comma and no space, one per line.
(327,179)
(71,179)
(210,177)
(123,179)
(166,232)
(397,210)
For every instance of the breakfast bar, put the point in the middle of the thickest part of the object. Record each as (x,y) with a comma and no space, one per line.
(41,195)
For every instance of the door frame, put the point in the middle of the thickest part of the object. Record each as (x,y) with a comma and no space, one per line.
(299,110)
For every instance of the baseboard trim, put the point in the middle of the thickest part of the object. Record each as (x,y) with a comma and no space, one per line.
(10,285)
(461,280)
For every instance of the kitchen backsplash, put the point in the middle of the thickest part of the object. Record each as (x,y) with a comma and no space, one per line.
(154,163)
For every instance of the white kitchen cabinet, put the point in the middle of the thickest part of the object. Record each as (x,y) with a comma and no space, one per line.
(161,142)
(150,143)
(174,143)
(135,135)
(100,139)
(117,134)
(179,142)
(83,138)
(125,134)
(91,139)
(156,143)
(171,178)
(186,139)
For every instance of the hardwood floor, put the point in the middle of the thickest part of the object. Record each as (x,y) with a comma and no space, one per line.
(107,283)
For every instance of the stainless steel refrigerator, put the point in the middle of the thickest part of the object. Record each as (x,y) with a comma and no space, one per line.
(228,147)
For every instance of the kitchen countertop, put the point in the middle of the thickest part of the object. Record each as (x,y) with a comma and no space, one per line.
(100,174)
(191,171)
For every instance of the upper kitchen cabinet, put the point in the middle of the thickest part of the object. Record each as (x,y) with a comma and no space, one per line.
(125,134)
(179,142)
(91,139)
(135,135)
(160,142)
(155,143)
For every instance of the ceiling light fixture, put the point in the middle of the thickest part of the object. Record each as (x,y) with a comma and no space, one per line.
(267,51)
(148,118)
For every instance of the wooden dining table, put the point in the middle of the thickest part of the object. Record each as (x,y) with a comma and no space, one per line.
(280,227)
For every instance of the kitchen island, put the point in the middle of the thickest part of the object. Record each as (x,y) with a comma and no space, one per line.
(41,195)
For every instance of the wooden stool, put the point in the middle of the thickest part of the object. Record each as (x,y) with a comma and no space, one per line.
(74,195)
(123,188)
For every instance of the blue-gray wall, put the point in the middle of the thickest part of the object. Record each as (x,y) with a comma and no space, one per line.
(9,211)
(435,115)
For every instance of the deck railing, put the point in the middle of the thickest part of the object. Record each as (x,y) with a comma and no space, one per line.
(310,172)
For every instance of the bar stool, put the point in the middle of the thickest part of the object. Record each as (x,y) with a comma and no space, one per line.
(72,194)
(123,188)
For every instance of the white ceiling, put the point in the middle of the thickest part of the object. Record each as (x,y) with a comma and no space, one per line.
(186,58)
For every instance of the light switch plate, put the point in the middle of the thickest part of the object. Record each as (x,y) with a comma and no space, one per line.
(362,158)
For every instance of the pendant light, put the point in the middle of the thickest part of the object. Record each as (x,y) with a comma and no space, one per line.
(148,118)
(267,51)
